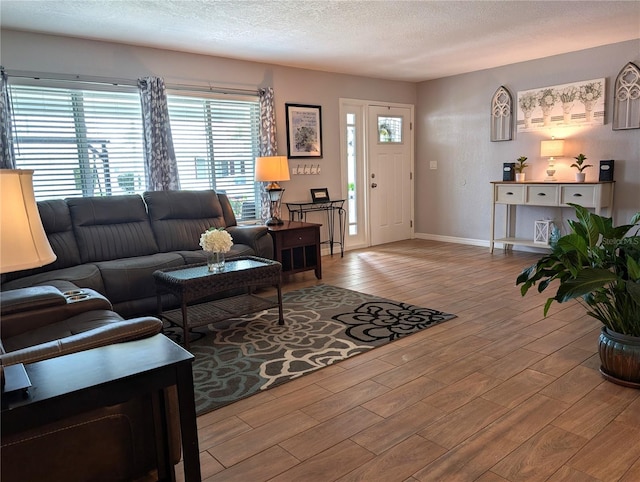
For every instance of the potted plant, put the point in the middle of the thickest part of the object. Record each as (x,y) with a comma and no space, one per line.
(599,265)
(520,166)
(580,175)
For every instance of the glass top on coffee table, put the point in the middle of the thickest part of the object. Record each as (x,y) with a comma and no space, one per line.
(232,265)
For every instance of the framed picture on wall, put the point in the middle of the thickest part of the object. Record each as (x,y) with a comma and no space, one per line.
(304,131)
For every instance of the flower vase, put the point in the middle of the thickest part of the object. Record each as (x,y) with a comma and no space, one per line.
(588,110)
(546,115)
(566,112)
(215,261)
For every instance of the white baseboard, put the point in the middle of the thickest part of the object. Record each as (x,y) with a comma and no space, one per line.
(476,242)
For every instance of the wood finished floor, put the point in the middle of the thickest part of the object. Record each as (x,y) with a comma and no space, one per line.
(498,394)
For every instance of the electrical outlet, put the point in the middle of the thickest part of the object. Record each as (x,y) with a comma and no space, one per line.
(433,165)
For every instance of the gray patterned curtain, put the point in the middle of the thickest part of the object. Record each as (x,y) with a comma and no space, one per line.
(161,168)
(268,142)
(7,161)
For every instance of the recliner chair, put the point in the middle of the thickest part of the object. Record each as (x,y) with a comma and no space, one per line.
(112,443)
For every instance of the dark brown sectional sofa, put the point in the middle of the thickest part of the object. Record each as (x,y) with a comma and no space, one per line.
(113,244)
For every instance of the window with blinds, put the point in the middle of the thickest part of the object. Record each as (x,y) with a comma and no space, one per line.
(79,142)
(216,142)
(84,142)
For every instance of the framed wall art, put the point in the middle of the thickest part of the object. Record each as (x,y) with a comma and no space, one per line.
(304,131)
(579,103)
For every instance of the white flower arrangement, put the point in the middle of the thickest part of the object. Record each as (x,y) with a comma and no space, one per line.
(590,92)
(528,102)
(216,240)
(568,95)
(548,98)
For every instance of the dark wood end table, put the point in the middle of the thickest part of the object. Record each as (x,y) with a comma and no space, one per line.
(78,382)
(297,246)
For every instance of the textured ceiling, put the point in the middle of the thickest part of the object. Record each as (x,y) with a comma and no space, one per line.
(400,40)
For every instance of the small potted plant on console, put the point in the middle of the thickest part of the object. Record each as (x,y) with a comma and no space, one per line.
(580,166)
(520,167)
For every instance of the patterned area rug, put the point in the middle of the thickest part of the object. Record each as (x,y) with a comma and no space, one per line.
(323,325)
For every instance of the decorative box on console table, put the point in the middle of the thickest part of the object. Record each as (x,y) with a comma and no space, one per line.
(593,195)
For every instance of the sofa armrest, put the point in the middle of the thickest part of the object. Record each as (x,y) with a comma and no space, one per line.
(32,308)
(32,298)
(113,330)
(255,236)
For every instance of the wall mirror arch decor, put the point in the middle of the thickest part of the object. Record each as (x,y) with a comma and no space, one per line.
(626,98)
(304,131)
(501,115)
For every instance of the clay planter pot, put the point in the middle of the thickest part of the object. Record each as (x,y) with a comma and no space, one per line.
(620,358)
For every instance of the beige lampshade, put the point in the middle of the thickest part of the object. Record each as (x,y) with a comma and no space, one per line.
(552,148)
(272,169)
(23,242)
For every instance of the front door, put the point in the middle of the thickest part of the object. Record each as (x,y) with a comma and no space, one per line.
(390,174)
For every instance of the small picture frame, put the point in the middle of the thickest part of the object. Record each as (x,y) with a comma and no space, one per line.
(304,131)
(320,195)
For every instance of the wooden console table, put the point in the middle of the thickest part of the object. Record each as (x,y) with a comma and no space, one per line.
(78,382)
(297,246)
(595,195)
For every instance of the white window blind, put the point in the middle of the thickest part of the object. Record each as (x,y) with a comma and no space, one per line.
(216,142)
(80,142)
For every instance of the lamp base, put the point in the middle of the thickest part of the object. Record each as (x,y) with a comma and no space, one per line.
(550,174)
(274,221)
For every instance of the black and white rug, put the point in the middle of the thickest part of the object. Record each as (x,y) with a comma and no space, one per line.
(323,325)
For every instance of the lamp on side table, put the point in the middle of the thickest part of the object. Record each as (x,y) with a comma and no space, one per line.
(273,169)
(23,242)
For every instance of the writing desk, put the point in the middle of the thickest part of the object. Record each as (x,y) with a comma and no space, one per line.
(298,212)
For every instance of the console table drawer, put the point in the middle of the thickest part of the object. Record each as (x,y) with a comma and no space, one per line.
(583,195)
(540,195)
(509,194)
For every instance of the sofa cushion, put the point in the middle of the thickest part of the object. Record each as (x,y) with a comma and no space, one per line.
(178,218)
(132,278)
(81,276)
(111,227)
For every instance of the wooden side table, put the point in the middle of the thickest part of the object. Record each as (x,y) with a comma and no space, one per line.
(296,246)
(66,385)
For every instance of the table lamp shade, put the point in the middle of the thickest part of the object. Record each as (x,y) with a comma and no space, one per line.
(552,148)
(272,169)
(23,242)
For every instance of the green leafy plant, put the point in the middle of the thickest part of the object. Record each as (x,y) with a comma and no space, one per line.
(580,158)
(521,164)
(599,265)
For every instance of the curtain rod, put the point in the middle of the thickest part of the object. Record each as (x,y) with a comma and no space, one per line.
(127,82)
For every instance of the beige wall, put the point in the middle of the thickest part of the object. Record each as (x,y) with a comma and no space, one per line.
(453,124)
(52,54)
(452,119)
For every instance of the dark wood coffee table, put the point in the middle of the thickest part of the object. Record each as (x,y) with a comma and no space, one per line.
(195,287)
